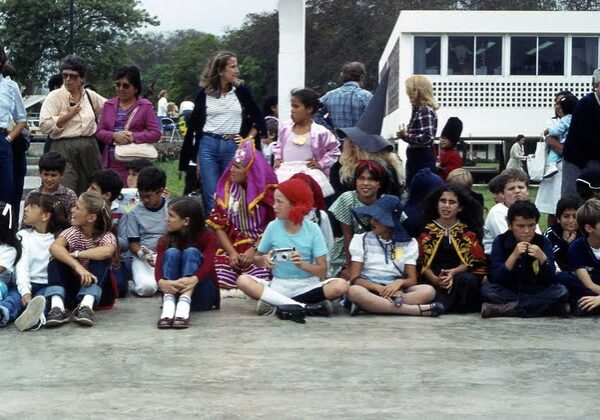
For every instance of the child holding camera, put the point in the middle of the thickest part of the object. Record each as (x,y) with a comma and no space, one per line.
(295,250)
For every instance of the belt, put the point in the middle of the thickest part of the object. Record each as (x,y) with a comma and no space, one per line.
(221,136)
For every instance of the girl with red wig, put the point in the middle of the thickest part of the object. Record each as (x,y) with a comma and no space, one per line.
(294,249)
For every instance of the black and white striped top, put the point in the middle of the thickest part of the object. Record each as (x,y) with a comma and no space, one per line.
(223,114)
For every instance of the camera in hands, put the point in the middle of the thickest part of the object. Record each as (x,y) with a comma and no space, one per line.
(283,254)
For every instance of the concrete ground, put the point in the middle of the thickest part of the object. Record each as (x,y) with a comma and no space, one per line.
(234,364)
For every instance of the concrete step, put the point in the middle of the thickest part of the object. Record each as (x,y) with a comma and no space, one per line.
(31,183)
(32,160)
(36,149)
(32,170)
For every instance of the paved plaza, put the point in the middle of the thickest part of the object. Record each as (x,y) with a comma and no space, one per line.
(234,364)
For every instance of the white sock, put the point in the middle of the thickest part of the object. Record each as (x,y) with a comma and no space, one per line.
(168,310)
(183,307)
(275,298)
(88,300)
(57,302)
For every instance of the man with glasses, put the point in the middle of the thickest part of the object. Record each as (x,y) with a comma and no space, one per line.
(70,116)
(582,146)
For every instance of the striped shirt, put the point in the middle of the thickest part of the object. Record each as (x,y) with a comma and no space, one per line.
(77,241)
(121,119)
(223,114)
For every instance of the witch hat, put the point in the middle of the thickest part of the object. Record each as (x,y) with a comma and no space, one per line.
(366,134)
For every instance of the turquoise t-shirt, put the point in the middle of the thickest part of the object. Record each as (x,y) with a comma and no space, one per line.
(309,242)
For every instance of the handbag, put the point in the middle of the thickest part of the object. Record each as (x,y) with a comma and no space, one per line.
(537,162)
(133,151)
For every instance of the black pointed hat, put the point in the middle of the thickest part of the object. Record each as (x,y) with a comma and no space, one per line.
(367,132)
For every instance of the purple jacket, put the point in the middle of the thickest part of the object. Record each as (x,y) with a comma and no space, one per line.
(144,124)
(324,145)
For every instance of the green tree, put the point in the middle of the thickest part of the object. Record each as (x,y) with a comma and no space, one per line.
(36,35)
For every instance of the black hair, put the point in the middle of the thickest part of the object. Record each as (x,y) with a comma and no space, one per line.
(269,102)
(523,208)
(55,82)
(138,164)
(309,98)
(352,72)
(568,104)
(496,184)
(471,213)
(566,203)
(151,179)
(190,207)
(377,171)
(132,74)
(8,235)
(8,70)
(109,182)
(52,161)
(51,204)
(75,63)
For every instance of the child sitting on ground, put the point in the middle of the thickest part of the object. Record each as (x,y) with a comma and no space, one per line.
(449,157)
(584,260)
(496,187)
(564,108)
(79,274)
(515,186)
(522,273)
(294,249)
(383,267)
(47,217)
(184,265)
(10,251)
(564,231)
(52,170)
(146,223)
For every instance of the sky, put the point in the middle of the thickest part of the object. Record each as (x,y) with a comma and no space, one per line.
(209,16)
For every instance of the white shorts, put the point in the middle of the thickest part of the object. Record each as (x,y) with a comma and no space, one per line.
(292,287)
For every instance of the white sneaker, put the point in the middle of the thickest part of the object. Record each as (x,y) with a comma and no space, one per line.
(263,308)
(551,170)
(32,315)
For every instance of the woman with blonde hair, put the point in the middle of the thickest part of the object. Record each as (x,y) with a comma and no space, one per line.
(224,114)
(422,127)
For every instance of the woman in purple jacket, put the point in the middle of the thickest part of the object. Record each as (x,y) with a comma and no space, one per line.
(126,106)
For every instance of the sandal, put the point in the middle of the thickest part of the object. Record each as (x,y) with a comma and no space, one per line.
(164,323)
(434,309)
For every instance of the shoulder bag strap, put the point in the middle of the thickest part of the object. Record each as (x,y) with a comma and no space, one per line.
(130,118)
(92,105)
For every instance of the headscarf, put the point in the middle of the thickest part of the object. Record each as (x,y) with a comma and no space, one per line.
(261,181)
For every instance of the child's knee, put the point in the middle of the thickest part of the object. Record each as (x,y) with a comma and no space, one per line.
(337,287)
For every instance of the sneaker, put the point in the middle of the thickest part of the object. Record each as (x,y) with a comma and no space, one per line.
(56,317)
(354,309)
(490,310)
(562,310)
(84,315)
(323,308)
(264,308)
(32,314)
(551,170)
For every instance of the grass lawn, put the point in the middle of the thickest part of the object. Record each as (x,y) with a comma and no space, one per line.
(175,184)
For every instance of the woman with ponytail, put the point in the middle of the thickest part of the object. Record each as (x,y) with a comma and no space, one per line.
(79,276)
(294,249)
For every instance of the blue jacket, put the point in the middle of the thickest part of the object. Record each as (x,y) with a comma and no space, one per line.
(583,140)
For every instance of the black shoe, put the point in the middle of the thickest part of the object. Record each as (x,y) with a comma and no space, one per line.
(561,309)
(323,308)
(490,310)
(84,315)
(56,317)
(434,309)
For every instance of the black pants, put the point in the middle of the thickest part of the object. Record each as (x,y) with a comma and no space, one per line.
(532,303)
(465,295)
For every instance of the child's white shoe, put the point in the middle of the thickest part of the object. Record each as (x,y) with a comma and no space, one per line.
(32,315)
(551,170)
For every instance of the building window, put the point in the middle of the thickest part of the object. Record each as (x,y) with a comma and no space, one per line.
(551,56)
(584,57)
(460,54)
(523,55)
(427,55)
(530,55)
(488,55)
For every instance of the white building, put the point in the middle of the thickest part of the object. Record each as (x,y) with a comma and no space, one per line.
(498,71)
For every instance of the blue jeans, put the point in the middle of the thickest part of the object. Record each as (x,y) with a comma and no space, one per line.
(10,307)
(530,304)
(6,169)
(64,282)
(213,157)
(177,264)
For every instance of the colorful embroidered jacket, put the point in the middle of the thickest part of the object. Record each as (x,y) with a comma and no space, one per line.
(464,241)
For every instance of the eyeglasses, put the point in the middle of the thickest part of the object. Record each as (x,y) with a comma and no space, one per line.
(66,75)
(123,85)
